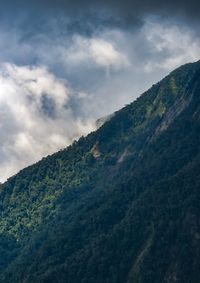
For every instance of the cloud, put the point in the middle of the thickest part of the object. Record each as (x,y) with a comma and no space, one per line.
(86,18)
(171,46)
(95,51)
(35,119)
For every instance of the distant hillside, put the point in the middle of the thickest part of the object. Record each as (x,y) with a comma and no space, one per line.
(119,206)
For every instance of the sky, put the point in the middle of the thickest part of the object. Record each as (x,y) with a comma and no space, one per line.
(64,64)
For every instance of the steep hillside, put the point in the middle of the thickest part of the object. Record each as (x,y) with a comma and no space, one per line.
(119,206)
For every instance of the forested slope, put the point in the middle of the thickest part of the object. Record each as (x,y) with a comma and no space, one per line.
(121,205)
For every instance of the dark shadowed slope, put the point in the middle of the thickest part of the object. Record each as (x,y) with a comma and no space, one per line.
(119,206)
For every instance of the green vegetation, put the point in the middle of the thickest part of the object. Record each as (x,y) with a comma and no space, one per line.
(121,205)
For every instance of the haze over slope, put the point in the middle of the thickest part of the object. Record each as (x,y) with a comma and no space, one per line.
(121,205)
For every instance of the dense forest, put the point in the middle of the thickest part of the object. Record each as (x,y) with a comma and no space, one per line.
(121,205)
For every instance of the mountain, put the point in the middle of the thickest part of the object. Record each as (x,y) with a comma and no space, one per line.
(99,122)
(119,206)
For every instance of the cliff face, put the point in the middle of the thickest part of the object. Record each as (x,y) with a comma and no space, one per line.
(121,205)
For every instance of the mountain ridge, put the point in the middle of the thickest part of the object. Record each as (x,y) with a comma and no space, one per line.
(79,217)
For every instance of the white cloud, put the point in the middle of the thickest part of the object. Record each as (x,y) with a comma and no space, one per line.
(35,119)
(173,46)
(97,51)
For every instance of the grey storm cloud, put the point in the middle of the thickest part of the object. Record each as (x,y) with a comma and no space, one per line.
(126,7)
(78,16)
